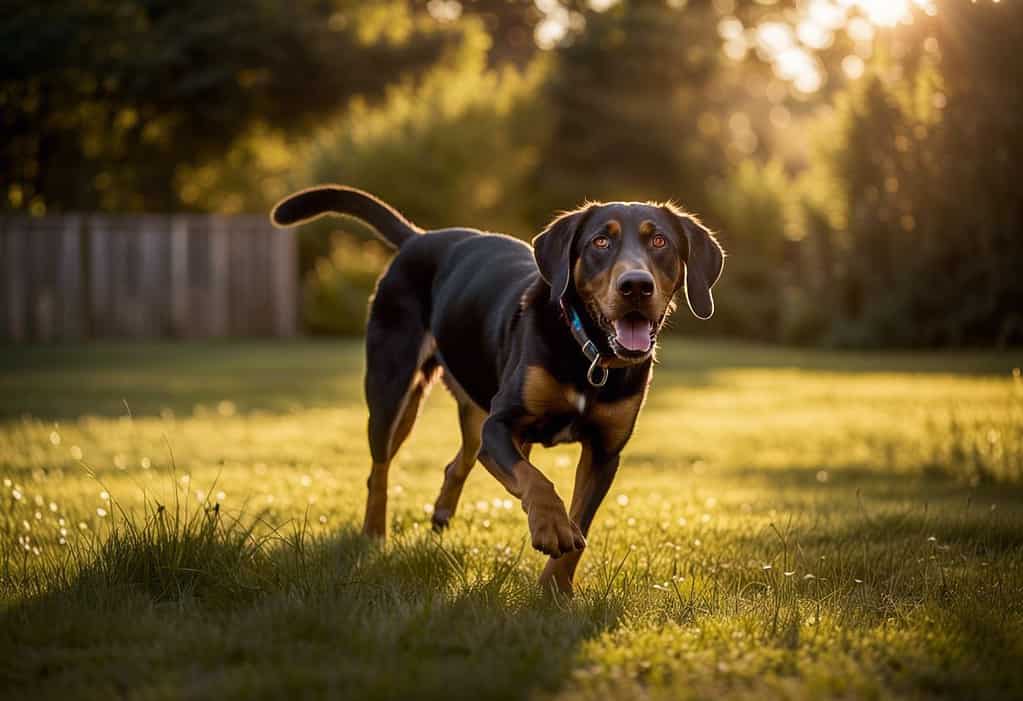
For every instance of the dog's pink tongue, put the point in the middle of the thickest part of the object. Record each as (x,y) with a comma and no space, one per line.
(633,334)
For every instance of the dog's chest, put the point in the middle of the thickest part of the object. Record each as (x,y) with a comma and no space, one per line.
(561,413)
(553,429)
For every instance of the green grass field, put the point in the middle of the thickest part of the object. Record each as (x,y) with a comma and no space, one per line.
(179,521)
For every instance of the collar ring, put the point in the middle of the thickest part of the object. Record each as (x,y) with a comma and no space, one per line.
(597,374)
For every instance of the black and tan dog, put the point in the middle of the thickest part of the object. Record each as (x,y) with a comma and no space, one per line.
(548,345)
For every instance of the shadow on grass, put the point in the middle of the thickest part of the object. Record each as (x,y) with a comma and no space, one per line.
(337,617)
(109,379)
(68,381)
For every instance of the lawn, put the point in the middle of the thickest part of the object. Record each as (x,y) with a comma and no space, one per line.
(179,521)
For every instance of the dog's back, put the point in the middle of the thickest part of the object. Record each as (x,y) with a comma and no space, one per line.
(454,291)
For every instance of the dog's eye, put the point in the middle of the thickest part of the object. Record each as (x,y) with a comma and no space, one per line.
(658,241)
(602,241)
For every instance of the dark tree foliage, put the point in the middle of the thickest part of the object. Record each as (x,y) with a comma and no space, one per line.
(932,253)
(102,101)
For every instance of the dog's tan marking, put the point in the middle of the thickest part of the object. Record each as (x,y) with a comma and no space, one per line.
(594,288)
(375,523)
(561,571)
(617,419)
(550,527)
(542,394)
(647,227)
(613,227)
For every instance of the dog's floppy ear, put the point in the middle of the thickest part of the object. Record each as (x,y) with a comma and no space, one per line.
(552,249)
(704,261)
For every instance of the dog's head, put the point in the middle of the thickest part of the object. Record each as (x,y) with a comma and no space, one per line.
(625,262)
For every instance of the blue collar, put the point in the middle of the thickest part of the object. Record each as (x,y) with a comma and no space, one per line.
(597,374)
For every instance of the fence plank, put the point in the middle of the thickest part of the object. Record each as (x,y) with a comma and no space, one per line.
(284,259)
(152,286)
(220,274)
(16,301)
(69,286)
(42,296)
(99,276)
(179,287)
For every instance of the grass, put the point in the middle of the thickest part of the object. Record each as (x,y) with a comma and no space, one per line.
(178,521)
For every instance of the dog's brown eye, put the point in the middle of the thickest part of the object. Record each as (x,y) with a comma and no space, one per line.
(602,242)
(658,241)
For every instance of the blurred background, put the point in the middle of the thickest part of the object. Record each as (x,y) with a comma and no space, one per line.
(858,157)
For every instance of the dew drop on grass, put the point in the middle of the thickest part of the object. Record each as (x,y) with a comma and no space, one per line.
(54,438)
(428,508)
(104,495)
(623,500)
(146,463)
(101,512)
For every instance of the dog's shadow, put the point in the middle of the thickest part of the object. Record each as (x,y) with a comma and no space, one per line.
(339,617)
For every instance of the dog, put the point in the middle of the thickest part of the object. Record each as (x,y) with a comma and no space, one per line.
(546,344)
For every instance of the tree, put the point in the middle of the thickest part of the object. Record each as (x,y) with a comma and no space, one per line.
(102,102)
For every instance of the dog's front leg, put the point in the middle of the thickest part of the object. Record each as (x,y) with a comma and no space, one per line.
(552,531)
(593,478)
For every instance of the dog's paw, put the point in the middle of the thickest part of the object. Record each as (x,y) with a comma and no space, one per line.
(440,519)
(553,532)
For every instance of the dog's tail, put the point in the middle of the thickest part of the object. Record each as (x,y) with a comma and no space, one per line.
(337,199)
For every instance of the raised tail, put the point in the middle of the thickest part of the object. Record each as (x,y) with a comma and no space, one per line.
(316,202)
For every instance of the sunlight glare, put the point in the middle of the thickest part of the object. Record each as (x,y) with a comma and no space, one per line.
(888,13)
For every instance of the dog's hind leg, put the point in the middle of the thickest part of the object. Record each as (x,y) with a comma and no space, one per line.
(470,420)
(399,368)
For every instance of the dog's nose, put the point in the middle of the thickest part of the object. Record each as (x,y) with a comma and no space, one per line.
(636,283)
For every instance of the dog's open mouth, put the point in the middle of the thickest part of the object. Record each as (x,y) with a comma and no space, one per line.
(631,337)
(633,333)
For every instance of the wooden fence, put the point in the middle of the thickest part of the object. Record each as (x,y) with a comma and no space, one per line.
(146,276)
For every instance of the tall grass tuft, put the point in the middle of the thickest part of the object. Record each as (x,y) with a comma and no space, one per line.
(178,553)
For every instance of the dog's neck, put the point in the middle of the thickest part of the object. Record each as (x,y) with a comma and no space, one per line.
(597,373)
(554,323)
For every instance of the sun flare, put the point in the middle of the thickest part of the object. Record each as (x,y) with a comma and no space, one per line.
(888,13)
